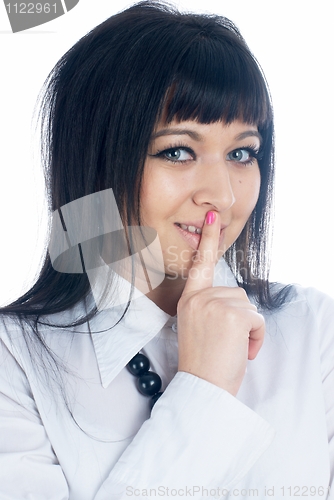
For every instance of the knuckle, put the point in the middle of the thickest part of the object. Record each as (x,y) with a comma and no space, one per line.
(229,313)
(192,302)
(242,293)
(215,304)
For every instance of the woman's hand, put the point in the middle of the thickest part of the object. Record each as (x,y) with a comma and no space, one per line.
(218,328)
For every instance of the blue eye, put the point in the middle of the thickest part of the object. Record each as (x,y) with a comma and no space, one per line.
(244,156)
(176,155)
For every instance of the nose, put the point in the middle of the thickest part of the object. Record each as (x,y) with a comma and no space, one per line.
(214,188)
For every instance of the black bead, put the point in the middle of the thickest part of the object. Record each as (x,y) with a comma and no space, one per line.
(149,384)
(154,399)
(138,365)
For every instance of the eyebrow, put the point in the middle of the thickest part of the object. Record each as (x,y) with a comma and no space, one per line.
(249,133)
(178,131)
(198,137)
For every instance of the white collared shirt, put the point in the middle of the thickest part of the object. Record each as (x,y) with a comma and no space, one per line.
(274,439)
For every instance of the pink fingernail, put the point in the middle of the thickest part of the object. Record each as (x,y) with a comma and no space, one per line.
(210,218)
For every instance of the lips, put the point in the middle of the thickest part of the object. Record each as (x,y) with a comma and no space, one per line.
(195,227)
(190,228)
(193,237)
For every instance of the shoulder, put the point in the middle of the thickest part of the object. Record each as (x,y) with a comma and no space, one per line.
(307,317)
(11,332)
(27,340)
(304,300)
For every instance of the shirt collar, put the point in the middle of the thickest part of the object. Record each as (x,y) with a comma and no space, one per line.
(116,345)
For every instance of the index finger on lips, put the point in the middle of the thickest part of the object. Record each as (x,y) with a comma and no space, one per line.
(201,273)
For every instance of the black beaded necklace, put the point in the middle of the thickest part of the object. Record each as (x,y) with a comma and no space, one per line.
(148,383)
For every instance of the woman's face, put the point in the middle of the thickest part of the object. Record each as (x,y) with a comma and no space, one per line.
(192,168)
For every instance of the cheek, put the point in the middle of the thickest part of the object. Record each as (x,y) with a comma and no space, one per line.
(162,192)
(246,194)
(149,199)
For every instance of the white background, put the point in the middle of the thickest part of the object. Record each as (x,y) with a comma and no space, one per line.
(293,41)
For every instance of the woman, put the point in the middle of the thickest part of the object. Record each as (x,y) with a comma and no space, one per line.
(161,121)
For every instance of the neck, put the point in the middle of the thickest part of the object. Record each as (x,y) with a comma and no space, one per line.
(167,294)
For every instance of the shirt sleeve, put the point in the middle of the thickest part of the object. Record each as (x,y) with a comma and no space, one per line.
(199,437)
(28,466)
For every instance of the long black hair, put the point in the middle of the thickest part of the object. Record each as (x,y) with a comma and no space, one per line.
(100,105)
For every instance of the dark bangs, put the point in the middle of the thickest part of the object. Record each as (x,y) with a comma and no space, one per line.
(219,81)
